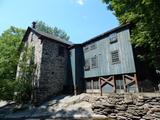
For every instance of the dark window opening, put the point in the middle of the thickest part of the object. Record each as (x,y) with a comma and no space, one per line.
(61,51)
(93,46)
(88,85)
(32,37)
(113,38)
(95,84)
(87,65)
(115,57)
(119,84)
(92,84)
(94,62)
(86,49)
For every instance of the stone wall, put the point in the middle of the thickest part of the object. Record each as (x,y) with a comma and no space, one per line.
(53,70)
(128,106)
(33,41)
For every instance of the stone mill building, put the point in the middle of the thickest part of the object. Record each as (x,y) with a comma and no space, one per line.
(104,64)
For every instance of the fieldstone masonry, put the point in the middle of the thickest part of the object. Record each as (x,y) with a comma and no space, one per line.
(50,73)
(128,106)
(53,71)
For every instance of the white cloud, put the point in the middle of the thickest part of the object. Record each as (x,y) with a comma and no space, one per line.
(80,2)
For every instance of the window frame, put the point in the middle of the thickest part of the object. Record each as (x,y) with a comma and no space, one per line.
(93,46)
(89,84)
(61,51)
(87,68)
(96,84)
(113,57)
(86,49)
(113,38)
(95,59)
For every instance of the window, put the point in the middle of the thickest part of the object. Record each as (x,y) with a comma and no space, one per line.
(86,49)
(113,38)
(32,37)
(88,85)
(119,84)
(115,57)
(61,51)
(95,84)
(33,56)
(93,46)
(87,65)
(92,84)
(94,62)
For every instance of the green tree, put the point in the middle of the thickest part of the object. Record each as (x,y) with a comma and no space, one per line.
(10,47)
(41,26)
(23,83)
(145,16)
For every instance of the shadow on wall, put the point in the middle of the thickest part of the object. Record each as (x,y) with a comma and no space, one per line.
(80,81)
(75,83)
(68,88)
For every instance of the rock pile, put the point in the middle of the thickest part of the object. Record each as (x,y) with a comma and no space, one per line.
(128,107)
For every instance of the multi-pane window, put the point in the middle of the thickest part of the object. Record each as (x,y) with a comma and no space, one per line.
(61,50)
(93,46)
(86,49)
(95,84)
(119,84)
(115,57)
(113,38)
(92,84)
(87,65)
(94,62)
(90,47)
(88,85)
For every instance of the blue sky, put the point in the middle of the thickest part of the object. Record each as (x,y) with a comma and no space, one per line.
(81,19)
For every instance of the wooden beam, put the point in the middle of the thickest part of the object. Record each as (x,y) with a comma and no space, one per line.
(130,77)
(92,85)
(125,89)
(108,80)
(114,87)
(103,81)
(128,81)
(135,76)
(100,86)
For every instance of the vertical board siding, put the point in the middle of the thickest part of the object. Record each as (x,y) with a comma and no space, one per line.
(103,51)
(73,63)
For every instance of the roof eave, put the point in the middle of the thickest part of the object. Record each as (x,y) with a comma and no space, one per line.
(105,34)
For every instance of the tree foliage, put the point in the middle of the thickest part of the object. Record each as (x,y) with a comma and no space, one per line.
(10,47)
(23,87)
(41,26)
(146,17)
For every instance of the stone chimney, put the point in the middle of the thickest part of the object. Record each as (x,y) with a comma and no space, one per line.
(34,24)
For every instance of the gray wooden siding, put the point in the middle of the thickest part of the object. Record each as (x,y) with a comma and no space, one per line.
(77,61)
(103,52)
(73,63)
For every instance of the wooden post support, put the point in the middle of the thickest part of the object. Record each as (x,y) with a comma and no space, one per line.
(136,82)
(114,86)
(92,85)
(100,87)
(125,87)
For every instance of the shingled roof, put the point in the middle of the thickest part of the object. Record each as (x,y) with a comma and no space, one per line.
(46,35)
